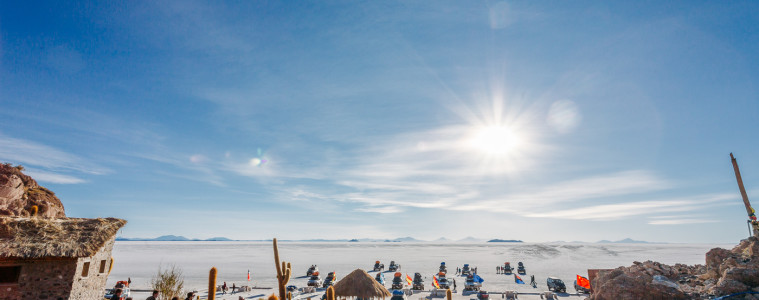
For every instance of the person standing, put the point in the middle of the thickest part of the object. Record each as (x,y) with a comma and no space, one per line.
(233,287)
(224,288)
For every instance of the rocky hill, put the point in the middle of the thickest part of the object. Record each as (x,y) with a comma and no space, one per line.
(726,272)
(19,192)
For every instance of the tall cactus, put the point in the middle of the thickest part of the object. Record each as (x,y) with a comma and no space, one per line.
(331,293)
(283,272)
(110,267)
(448,294)
(35,209)
(212,284)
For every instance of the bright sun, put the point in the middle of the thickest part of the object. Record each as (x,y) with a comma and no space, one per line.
(494,140)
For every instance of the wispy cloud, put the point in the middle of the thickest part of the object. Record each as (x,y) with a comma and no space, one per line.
(36,154)
(381,209)
(45,163)
(437,169)
(43,176)
(628,209)
(681,221)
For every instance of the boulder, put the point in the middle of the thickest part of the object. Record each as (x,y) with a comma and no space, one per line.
(19,192)
(726,272)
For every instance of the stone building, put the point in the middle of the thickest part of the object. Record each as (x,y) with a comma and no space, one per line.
(55,259)
(43,253)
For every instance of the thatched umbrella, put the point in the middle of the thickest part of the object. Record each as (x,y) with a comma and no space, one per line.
(360,284)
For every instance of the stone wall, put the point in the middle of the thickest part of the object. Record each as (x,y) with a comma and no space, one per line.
(93,285)
(53,279)
(41,279)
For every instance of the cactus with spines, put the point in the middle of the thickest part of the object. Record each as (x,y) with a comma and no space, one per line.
(330,293)
(448,294)
(212,284)
(283,272)
(272,297)
(289,296)
(35,209)
(110,267)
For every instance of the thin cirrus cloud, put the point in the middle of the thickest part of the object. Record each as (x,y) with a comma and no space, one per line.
(540,197)
(46,163)
(629,209)
(681,221)
(397,174)
(50,177)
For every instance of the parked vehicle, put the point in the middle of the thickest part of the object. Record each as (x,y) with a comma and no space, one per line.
(466,271)
(315,280)
(418,283)
(378,267)
(311,270)
(398,295)
(330,280)
(483,295)
(397,283)
(393,266)
(507,268)
(556,285)
(443,268)
(124,286)
(471,284)
(520,269)
(443,282)
(581,289)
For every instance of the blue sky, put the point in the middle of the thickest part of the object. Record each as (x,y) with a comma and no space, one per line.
(538,121)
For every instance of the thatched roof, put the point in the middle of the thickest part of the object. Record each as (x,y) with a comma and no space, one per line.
(66,237)
(360,284)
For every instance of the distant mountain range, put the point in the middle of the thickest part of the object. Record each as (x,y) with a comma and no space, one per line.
(407,239)
(172,238)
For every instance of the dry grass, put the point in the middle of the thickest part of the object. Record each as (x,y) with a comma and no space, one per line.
(360,284)
(67,237)
(168,282)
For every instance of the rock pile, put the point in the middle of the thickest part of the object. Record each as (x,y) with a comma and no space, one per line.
(726,272)
(19,192)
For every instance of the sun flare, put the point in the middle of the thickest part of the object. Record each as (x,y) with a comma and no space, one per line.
(495,140)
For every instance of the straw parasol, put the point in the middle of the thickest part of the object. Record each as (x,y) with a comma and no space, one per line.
(360,284)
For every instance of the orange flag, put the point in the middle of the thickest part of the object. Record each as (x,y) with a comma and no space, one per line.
(434,282)
(408,279)
(583,282)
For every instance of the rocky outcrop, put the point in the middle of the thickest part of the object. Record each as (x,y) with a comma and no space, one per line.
(726,272)
(19,192)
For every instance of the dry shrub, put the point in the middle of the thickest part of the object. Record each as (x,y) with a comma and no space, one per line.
(169,282)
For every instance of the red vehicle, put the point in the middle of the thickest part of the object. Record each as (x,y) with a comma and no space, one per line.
(124,286)
(483,295)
